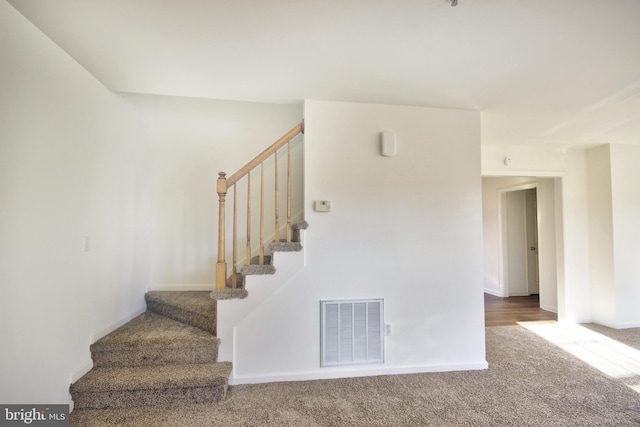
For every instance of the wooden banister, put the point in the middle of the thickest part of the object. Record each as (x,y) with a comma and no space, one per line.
(297,129)
(222,186)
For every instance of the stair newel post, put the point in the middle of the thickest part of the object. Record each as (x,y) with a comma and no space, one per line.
(261,253)
(234,271)
(221,266)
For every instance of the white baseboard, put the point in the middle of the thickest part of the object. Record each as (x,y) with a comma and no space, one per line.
(88,365)
(549,308)
(492,292)
(182,287)
(80,372)
(106,331)
(628,325)
(325,375)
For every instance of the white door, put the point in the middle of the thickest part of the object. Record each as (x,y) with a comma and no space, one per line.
(516,244)
(522,242)
(531,221)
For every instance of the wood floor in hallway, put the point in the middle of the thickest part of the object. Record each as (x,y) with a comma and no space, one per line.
(508,311)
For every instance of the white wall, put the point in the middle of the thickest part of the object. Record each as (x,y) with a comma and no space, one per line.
(72,164)
(525,159)
(405,228)
(614,230)
(625,176)
(614,233)
(601,244)
(574,287)
(191,141)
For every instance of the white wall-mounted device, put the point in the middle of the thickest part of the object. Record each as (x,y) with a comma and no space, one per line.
(322,206)
(388,145)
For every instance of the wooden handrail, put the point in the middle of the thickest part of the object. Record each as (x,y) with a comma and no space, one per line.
(297,129)
(222,186)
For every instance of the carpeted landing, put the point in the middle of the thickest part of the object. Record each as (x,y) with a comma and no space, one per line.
(166,356)
(530,382)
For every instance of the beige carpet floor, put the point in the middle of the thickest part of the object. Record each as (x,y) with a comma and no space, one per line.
(530,382)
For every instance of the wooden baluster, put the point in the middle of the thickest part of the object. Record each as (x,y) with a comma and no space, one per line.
(248,261)
(246,171)
(234,280)
(261,213)
(277,233)
(289,192)
(221,266)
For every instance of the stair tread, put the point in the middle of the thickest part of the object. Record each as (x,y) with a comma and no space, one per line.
(194,308)
(153,377)
(151,329)
(229,293)
(284,246)
(252,269)
(193,301)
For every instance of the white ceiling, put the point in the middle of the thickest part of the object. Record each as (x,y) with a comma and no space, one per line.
(563,72)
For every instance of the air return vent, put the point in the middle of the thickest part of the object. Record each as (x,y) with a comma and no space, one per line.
(352,332)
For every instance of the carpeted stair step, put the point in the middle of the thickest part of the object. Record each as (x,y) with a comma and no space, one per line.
(295,245)
(229,292)
(123,387)
(194,308)
(283,246)
(296,229)
(151,339)
(256,268)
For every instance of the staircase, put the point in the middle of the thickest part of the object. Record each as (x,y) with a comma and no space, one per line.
(169,354)
(166,356)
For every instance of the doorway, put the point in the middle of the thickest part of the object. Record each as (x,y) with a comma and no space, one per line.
(521,249)
(523,271)
(542,267)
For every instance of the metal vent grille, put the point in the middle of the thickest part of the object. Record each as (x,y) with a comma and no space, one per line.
(352,332)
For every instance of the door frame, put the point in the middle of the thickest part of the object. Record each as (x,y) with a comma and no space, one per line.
(503,253)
